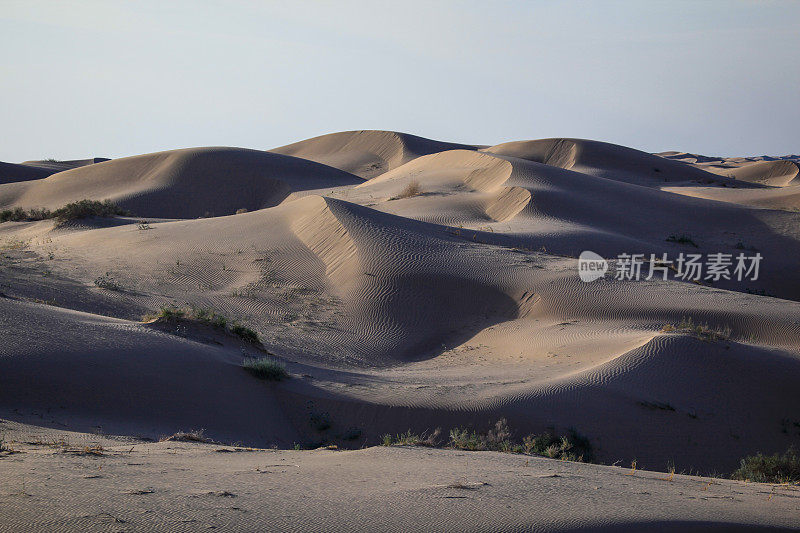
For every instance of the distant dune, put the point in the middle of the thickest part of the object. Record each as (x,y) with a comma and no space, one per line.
(184,183)
(366,153)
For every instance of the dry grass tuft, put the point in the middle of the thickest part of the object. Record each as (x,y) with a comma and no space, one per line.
(701,331)
(195,435)
(412,439)
(410,190)
(265,368)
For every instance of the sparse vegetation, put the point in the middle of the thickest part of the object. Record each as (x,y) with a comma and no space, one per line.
(701,331)
(86,450)
(412,439)
(88,208)
(244,333)
(71,211)
(21,215)
(776,468)
(195,435)
(62,446)
(265,368)
(464,439)
(570,447)
(106,281)
(682,239)
(205,316)
(410,190)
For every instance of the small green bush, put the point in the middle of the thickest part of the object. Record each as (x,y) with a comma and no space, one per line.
(774,468)
(20,215)
(244,333)
(167,313)
(265,368)
(88,208)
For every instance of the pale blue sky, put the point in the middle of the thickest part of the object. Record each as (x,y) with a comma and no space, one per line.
(105,78)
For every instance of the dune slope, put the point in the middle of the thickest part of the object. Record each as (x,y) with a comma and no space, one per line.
(366,153)
(181,183)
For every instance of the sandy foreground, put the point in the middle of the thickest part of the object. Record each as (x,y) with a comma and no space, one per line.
(57,484)
(405,284)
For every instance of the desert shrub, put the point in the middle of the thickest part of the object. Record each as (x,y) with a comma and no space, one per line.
(167,313)
(497,439)
(187,436)
(244,333)
(682,239)
(88,208)
(701,331)
(464,439)
(410,190)
(71,211)
(241,210)
(776,468)
(20,215)
(412,439)
(208,316)
(106,281)
(265,368)
(13,215)
(205,316)
(570,447)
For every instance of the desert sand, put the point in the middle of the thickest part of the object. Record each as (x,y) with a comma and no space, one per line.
(405,284)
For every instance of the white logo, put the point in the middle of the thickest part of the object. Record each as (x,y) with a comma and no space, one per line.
(591,266)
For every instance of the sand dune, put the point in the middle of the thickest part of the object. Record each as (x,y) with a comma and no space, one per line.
(103,379)
(60,166)
(773,173)
(181,183)
(443,291)
(31,170)
(603,159)
(11,172)
(366,153)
